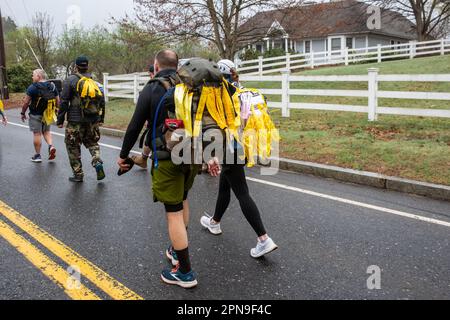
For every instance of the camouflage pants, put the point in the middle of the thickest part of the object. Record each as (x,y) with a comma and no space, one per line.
(77,134)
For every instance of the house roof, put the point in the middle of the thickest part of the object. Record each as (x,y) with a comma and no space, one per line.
(324,19)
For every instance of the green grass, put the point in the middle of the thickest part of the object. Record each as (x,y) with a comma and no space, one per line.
(118,113)
(410,147)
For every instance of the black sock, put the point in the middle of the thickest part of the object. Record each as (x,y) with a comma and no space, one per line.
(185,262)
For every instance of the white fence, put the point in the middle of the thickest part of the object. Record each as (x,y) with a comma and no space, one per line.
(126,86)
(373,93)
(129,87)
(346,56)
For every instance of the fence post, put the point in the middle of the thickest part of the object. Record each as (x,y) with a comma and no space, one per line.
(373,93)
(288,61)
(346,56)
(285,99)
(105,86)
(260,66)
(312,59)
(136,88)
(412,49)
(379,53)
(442,46)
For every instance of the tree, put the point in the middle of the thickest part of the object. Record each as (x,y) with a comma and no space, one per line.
(137,47)
(9,25)
(40,37)
(216,21)
(430,16)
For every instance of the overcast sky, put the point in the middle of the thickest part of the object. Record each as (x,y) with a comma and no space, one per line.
(92,12)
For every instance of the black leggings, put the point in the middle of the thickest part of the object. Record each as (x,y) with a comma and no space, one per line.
(233,177)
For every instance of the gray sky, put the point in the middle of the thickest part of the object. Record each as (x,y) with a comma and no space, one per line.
(92,12)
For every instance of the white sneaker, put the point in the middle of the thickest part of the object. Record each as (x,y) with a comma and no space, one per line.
(263,248)
(206,222)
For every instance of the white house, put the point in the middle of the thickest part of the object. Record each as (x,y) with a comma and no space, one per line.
(324,27)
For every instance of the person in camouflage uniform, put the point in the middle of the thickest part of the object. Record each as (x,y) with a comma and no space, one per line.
(81,129)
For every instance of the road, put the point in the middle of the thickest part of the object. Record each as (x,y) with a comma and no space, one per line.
(329,234)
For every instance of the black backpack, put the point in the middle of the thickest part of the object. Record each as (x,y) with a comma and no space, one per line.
(46,97)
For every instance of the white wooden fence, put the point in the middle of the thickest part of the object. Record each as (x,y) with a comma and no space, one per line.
(373,93)
(346,56)
(126,86)
(129,87)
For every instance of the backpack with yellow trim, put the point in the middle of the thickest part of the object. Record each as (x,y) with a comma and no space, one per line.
(202,102)
(258,130)
(89,96)
(46,102)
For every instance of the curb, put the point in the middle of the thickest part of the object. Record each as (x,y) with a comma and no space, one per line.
(434,191)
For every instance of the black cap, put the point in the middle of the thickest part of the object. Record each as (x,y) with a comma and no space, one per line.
(82,61)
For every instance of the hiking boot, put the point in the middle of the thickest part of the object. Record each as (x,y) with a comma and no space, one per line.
(206,222)
(172,256)
(51,153)
(140,161)
(175,277)
(36,158)
(100,172)
(76,179)
(263,248)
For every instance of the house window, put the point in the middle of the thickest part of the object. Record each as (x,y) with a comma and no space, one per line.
(336,44)
(349,43)
(307,46)
(259,48)
(392,42)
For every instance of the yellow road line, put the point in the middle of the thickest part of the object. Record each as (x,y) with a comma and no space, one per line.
(48,267)
(101,279)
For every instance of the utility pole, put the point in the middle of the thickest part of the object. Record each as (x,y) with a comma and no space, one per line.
(3,83)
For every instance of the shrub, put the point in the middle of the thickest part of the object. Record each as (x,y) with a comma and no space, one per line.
(19,77)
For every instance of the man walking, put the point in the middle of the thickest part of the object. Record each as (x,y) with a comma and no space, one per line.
(171,183)
(85,115)
(40,96)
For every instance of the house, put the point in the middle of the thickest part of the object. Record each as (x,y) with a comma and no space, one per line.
(325,27)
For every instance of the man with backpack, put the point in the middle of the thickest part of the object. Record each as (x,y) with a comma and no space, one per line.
(170,183)
(42,99)
(84,104)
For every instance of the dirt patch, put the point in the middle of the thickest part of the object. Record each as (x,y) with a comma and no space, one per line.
(385,135)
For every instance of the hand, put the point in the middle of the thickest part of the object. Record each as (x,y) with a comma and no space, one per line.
(214,167)
(123,166)
(23,117)
(100,124)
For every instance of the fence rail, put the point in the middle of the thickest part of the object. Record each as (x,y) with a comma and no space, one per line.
(373,93)
(379,53)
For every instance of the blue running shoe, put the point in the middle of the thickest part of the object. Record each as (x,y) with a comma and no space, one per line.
(100,172)
(175,277)
(172,256)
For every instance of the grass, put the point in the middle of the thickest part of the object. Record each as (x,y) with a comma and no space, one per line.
(410,147)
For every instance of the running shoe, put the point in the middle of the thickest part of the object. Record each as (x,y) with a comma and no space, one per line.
(263,248)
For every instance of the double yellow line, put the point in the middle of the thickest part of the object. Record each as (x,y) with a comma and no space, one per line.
(51,269)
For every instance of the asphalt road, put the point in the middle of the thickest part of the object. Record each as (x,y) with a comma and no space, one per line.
(329,233)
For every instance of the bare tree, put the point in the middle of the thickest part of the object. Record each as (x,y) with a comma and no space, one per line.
(42,30)
(216,21)
(430,16)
